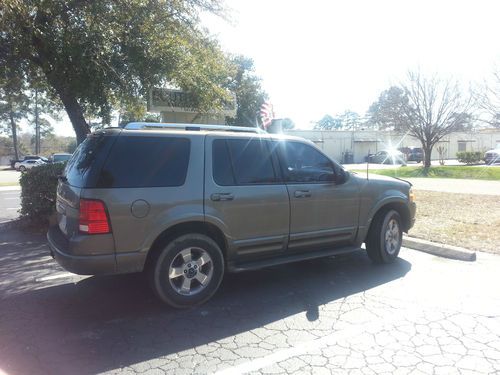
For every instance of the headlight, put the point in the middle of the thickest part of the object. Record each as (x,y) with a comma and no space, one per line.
(411,195)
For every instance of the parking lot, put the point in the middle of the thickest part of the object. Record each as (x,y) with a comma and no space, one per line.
(422,314)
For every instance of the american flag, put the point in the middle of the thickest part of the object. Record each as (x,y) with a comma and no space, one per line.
(266,114)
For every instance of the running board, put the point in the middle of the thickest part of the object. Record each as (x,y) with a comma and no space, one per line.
(284,259)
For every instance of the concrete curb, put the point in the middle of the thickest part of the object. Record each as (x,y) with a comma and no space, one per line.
(441,250)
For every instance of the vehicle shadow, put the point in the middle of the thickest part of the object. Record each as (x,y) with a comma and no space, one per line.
(104,323)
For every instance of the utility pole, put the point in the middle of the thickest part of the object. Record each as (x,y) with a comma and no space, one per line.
(37,126)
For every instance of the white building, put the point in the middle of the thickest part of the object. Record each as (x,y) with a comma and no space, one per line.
(363,142)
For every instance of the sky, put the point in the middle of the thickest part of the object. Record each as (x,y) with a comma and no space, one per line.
(317,57)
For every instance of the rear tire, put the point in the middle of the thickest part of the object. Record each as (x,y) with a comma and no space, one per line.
(385,237)
(22,168)
(187,271)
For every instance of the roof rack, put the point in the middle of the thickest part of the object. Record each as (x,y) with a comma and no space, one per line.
(195,127)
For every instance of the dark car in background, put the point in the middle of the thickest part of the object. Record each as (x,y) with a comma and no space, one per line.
(492,156)
(387,157)
(60,157)
(413,153)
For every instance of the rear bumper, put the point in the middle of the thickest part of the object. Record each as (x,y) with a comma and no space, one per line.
(80,264)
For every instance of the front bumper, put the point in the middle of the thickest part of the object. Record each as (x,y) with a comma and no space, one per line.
(80,264)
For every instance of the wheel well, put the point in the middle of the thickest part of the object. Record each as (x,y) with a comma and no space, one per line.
(401,208)
(177,230)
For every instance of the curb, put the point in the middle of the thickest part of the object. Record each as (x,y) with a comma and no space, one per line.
(441,250)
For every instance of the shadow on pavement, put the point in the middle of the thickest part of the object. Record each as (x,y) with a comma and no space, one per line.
(103,323)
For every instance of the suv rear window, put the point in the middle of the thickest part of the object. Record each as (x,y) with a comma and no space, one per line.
(79,169)
(136,162)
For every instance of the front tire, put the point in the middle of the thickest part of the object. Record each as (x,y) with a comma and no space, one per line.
(22,168)
(188,271)
(385,237)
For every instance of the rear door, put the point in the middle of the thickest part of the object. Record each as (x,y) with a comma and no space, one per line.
(245,195)
(323,213)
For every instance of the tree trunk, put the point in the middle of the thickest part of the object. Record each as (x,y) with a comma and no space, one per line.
(75,114)
(72,107)
(37,126)
(427,155)
(13,126)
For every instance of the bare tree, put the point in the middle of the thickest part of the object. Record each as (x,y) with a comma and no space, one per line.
(435,108)
(488,99)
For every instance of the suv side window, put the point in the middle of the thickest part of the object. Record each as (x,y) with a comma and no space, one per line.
(302,163)
(242,162)
(136,162)
(221,167)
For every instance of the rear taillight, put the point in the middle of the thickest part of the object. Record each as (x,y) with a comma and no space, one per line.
(93,217)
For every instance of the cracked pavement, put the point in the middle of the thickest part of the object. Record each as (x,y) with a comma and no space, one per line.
(420,315)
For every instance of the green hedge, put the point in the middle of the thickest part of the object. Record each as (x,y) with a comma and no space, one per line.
(470,157)
(38,191)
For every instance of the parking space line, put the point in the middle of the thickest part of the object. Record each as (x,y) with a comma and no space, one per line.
(54,277)
(13,208)
(294,351)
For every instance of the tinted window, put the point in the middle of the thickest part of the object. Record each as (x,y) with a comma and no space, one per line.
(303,163)
(250,160)
(222,169)
(146,162)
(79,166)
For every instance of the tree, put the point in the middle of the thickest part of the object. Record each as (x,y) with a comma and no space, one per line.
(287,123)
(95,54)
(249,94)
(388,112)
(488,98)
(435,108)
(13,100)
(42,102)
(428,108)
(349,120)
(328,123)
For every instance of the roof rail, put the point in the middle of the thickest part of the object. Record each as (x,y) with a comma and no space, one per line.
(195,127)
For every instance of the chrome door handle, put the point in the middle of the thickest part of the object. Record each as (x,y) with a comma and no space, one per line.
(216,197)
(302,194)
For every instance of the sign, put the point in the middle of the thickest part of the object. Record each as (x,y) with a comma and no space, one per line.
(170,100)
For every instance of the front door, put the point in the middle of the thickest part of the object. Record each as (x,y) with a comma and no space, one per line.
(323,213)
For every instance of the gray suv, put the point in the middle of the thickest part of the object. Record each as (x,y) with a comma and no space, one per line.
(186,203)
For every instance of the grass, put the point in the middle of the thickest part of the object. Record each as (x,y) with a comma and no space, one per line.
(465,220)
(12,183)
(458,171)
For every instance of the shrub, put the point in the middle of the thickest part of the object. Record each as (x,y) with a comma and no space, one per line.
(469,157)
(38,191)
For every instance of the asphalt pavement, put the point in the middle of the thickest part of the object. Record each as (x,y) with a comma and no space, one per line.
(421,314)
(9,176)
(10,203)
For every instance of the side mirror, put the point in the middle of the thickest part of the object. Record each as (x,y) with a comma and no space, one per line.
(341,176)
